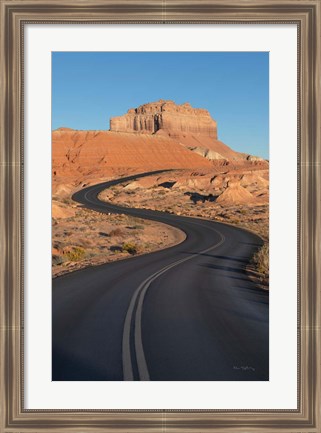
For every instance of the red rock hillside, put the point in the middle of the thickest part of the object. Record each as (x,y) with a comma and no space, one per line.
(154,136)
(79,156)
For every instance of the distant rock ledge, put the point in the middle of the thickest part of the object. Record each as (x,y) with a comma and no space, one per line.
(168,117)
(64,128)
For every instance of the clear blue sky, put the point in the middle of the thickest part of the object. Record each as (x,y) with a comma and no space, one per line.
(89,88)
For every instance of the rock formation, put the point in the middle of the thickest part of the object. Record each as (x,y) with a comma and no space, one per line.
(166,116)
(193,128)
(207,153)
(254,158)
(235,194)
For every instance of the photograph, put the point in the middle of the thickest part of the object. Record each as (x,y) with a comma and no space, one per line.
(160,216)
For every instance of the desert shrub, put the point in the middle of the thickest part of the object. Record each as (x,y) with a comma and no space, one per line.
(75,254)
(116,232)
(70,219)
(66,200)
(261,259)
(85,242)
(57,260)
(57,244)
(130,248)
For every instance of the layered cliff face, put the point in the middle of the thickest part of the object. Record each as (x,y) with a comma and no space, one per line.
(168,117)
(191,127)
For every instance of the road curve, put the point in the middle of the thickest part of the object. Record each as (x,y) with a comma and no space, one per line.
(188,312)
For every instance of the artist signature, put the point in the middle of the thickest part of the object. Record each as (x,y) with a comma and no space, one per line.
(243,368)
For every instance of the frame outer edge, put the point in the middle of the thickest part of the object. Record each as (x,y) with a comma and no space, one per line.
(317,183)
(3,240)
(10,236)
(311,219)
(5,244)
(10,212)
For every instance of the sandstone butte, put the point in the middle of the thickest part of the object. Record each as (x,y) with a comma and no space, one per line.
(154,136)
(192,127)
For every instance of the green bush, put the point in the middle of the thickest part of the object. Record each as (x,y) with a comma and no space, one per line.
(130,248)
(75,254)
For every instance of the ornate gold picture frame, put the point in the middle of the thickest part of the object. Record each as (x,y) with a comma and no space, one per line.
(306,15)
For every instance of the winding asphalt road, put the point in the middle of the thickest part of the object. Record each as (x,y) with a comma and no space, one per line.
(188,312)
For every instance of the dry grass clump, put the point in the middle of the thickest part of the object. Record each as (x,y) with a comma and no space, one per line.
(57,260)
(261,260)
(130,248)
(116,232)
(75,254)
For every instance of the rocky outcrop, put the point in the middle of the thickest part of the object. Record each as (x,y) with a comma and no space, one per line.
(166,116)
(207,153)
(191,127)
(254,158)
(235,194)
